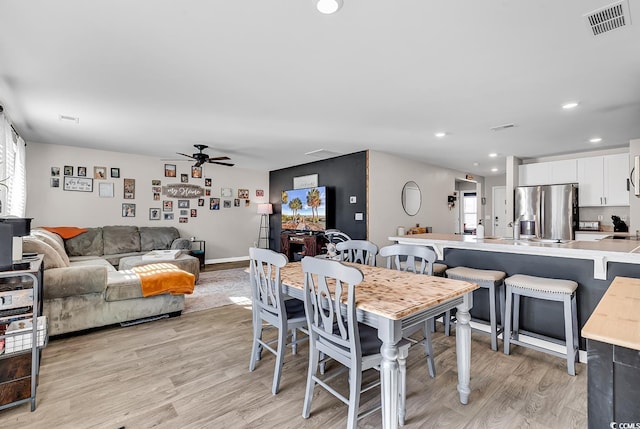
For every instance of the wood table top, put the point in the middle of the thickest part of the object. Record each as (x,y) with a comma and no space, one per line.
(616,319)
(390,293)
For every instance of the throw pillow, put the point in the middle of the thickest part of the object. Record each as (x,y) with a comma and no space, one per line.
(51,258)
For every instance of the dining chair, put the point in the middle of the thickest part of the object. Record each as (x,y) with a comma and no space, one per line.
(358,251)
(269,305)
(338,335)
(419,260)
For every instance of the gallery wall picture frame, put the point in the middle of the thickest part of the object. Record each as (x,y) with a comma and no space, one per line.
(259,192)
(236,202)
(207,192)
(201,202)
(196,172)
(168,216)
(194,212)
(183,219)
(214,203)
(247,203)
(129,186)
(227,204)
(184,212)
(68,170)
(184,178)
(128,210)
(99,173)
(55,182)
(226,192)
(183,204)
(115,173)
(169,170)
(207,182)
(156,182)
(55,171)
(154,213)
(82,171)
(167,206)
(243,194)
(80,184)
(105,190)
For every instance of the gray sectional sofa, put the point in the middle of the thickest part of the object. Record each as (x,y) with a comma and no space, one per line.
(83,288)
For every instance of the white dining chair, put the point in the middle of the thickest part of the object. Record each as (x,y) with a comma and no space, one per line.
(269,305)
(358,251)
(338,335)
(419,260)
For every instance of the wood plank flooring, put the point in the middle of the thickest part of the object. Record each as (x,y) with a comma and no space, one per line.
(192,372)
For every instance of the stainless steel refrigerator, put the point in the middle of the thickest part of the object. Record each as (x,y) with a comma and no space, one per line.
(547,212)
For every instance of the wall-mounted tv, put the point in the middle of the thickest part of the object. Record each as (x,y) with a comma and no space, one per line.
(305,209)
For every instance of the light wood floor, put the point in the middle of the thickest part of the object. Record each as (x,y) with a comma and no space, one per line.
(192,372)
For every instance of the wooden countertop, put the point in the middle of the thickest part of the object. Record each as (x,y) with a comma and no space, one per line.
(616,319)
(601,251)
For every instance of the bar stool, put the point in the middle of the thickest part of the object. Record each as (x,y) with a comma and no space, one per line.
(491,280)
(551,290)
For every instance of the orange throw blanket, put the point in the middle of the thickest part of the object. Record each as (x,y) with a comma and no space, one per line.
(160,278)
(65,232)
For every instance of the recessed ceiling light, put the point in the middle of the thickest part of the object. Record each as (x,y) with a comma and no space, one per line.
(570,105)
(328,6)
(68,118)
(440,134)
(475,164)
(493,155)
(595,140)
(494,169)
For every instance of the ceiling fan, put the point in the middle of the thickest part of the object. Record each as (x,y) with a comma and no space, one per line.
(202,157)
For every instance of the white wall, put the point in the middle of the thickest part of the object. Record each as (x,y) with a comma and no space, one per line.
(228,232)
(387,176)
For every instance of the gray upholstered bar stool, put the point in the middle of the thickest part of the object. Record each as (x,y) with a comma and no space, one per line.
(493,281)
(551,290)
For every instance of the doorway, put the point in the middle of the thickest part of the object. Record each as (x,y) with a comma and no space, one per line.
(499,211)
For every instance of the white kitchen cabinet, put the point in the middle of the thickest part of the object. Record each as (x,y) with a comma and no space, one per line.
(548,173)
(602,180)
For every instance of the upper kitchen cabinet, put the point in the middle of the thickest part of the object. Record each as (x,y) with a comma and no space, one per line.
(602,180)
(548,173)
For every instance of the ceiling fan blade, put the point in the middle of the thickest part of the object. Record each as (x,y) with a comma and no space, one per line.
(184,154)
(219,158)
(220,163)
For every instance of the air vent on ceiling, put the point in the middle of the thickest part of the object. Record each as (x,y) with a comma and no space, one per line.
(322,153)
(608,18)
(502,127)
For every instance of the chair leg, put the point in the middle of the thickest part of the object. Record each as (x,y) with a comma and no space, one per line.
(255,348)
(515,322)
(492,316)
(355,384)
(568,329)
(506,335)
(402,394)
(432,324)
(574,310)
(294,341)
(314,357)
(428,348)
(282,343)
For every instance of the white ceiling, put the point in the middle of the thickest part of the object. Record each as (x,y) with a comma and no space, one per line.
(264,81)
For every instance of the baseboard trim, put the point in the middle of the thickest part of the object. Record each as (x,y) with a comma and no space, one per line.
(222,260)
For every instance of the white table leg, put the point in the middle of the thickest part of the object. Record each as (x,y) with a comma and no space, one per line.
(389,387)
(463,347)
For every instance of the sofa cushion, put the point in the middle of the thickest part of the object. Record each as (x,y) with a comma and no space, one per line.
(120,239)
(74,281)
(122,285)
(157,237)
(88,244)
(52,258)
(58,246)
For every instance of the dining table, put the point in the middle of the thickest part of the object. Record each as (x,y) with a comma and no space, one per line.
(392,300)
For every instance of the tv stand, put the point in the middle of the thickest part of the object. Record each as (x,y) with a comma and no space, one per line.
(297,245)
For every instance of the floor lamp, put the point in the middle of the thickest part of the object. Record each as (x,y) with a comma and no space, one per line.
(264,210)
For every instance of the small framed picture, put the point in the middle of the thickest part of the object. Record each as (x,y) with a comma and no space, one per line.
(156,196)
(128,210)
(115,173)
(82,171)
(194,212)
(183,204)
(129,189)
(167,206)
(196,172)
(168,216)
(68,170)
(99,172)
(227,204)
(207,192)
(243,194)
(169,170)
(184,178)
(184,212)
(226,192)
(155,182)
(207,182)
(55,182)
(105,190)
(201,202)
(236,202)
(183,219)
(154,213)
(214,203)
(55,171)
(259,193)
(247,203)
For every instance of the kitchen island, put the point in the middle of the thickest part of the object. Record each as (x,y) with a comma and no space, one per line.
(593,264)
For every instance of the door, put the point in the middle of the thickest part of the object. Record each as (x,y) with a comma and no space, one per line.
(499,211)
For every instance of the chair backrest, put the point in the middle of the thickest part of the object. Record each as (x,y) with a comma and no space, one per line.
(266,288)
(335,236)
(419,259)
(325,282)
(358,251)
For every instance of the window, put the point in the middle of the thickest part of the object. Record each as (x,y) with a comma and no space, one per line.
(469,212)
(13,195)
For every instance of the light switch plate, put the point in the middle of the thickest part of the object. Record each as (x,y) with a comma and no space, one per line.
(352,199)
(359,216)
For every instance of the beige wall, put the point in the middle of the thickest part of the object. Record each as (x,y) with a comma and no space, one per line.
(387,176)
(228,232)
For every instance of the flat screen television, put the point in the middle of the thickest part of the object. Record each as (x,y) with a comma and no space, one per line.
(305,209)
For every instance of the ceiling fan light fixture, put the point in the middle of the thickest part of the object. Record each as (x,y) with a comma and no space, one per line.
(328,7)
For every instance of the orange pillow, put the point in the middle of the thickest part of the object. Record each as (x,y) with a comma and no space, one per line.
(65,232)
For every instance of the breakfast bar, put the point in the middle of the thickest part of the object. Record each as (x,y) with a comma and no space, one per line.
(592,264)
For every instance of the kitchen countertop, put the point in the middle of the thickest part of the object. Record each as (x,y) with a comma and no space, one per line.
(600,252)
(616,319)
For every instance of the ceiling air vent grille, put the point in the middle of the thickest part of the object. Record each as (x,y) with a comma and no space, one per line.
(502,127)
(608,18)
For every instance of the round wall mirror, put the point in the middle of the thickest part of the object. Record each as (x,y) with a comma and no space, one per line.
(411,198)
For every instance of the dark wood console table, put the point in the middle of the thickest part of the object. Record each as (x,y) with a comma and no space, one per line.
(297,245)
